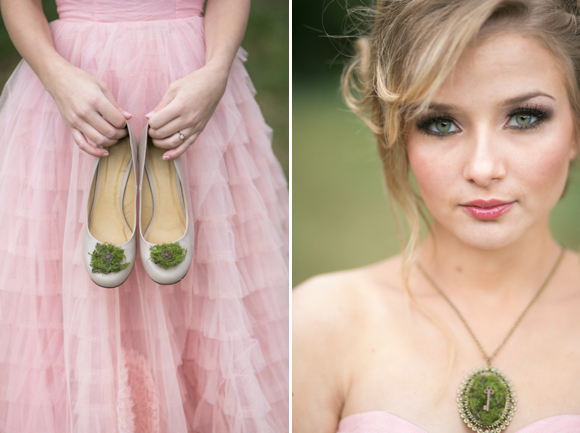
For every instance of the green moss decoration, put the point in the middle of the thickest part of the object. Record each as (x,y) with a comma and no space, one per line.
(168,255)
(477,399)
(108,258)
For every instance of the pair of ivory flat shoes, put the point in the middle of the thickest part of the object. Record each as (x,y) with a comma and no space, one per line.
(165,232)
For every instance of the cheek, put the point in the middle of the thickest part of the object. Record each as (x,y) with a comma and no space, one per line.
(434,171)
(545,168)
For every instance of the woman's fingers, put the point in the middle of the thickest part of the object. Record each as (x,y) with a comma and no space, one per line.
(160,119)
(88,109)
(174,140)
(111,111)
(167,130)
(165,111)
(185,109)
(174,153)
(107,122)
(109,134)
(89,119)
(94,135)
(84,145)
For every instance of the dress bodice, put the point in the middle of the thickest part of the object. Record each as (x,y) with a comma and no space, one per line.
(127,10)
(383,422)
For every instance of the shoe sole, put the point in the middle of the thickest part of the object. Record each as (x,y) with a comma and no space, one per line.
(105,287)
(170,284)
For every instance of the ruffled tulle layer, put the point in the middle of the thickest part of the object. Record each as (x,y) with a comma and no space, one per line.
(208,354)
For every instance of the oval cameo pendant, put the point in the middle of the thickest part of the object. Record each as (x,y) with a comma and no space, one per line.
(486,400)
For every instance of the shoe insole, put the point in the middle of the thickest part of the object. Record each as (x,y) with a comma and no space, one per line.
(162,213)
(112,214)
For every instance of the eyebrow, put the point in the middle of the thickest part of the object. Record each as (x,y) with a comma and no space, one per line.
(511,101)
(442,107)
(525,97)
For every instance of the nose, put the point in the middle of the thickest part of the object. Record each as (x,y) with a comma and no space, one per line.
(484,163)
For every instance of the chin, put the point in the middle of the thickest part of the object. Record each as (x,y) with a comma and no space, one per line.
(490,235)
(488,243)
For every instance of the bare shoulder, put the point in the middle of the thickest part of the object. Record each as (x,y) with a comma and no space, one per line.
(330,313)
(329,299)
(341,287)
(343,299)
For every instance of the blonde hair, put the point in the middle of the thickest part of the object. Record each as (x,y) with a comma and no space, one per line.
(412,47)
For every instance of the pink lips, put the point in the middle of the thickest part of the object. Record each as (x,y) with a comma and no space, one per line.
(486,210)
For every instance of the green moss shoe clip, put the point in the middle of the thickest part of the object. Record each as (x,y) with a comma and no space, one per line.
(107,258)
(167,255)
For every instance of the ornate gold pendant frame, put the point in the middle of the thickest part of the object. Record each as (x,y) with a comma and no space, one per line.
(486,400)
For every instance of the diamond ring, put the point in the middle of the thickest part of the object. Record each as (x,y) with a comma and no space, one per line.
(182,136)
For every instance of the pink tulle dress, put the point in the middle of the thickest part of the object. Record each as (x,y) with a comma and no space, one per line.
(208,354)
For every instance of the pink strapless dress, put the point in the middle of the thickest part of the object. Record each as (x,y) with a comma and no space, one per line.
(383,422)
(206,355)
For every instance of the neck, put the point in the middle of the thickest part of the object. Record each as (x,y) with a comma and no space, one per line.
(519,266)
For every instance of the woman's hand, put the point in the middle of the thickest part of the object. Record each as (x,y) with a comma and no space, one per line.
(88,108)
(185,109)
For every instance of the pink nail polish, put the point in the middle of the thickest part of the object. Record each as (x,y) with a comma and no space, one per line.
(106,154)
(166,157)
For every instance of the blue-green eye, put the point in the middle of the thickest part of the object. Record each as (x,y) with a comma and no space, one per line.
(443,125)
(527,117)
(438,126)
(522,119)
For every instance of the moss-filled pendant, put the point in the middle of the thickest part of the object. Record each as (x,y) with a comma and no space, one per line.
(487,400)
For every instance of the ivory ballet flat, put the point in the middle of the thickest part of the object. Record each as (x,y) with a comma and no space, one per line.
(110,241)
(166,239)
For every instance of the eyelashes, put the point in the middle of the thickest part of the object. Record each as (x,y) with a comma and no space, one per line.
(528,117)
(439,125)
(522,118)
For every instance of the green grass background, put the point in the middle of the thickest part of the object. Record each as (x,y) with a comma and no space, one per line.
(341,218)
(266,41)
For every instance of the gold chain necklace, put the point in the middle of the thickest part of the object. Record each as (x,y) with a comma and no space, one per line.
(486,397)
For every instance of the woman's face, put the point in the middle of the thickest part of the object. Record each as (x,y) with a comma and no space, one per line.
(491,154)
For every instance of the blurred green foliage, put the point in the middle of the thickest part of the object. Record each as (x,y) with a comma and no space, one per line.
(266,41)
(268,64)
(322,35)
(340,217)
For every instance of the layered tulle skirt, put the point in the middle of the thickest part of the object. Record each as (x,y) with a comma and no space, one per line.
(208,354)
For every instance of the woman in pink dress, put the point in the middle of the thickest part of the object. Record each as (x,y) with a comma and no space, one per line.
(208,354)
(474,327)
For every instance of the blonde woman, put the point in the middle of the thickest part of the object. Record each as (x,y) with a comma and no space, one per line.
(476,326)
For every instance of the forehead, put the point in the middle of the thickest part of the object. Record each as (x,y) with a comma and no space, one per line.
(502,66)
